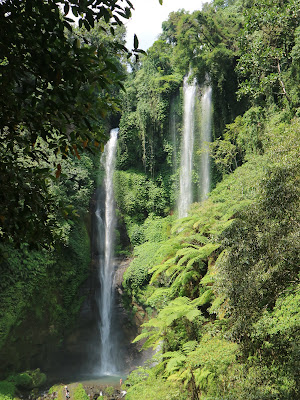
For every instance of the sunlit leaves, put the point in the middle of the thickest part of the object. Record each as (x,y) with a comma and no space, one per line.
(59,86)
(266,50)
(156,329)
(200,365)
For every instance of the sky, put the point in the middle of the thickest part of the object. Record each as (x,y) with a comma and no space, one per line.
(148,16)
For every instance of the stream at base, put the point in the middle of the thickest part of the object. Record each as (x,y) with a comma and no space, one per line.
(88,380)
(110,380)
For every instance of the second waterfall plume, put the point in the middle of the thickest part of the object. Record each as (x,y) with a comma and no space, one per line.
(206,115)
(105,242)
(188,171)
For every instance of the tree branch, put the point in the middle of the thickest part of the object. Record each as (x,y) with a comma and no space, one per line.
(281,82)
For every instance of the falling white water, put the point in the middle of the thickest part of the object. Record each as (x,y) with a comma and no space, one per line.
(206,113)
(185,189)
(106,267)
(173,135)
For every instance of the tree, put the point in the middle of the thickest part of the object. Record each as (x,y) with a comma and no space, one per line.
(52,80)
(58,84)
(267,50)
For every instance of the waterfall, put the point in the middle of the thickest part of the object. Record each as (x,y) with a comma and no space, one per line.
(105,243)
(206,113)
(173,134)
(185,182)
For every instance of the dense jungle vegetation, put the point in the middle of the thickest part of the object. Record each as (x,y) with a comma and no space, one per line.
(59,96)
(219,288)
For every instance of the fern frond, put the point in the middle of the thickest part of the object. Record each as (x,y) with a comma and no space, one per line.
(159,297)
(196,260)
(182,279)
(174,270)
(159,269)
(153,342)
(216,304)
(174,377)
(192,314)
(205,298)
(187,254)
(189,346)
(197,239)
(207,280)
(152,323)
(175,362)
(201,377)
(208,249)
(183,224)
(217,229)
(186,376)
(141,336)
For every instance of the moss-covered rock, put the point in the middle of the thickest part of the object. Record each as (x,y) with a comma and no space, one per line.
(22,380)
(28,380)
(38,378)
(57,392)
(7,390)
(80,393)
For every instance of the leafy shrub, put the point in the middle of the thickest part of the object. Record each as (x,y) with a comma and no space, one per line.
(137,274)
(22,381)
(144,384)
(38,377)
(28,379)
(138,196)
(80,394)
(59,392)
(7,390)
(110,390)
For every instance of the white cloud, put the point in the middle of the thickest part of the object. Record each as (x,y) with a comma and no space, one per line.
(148,16)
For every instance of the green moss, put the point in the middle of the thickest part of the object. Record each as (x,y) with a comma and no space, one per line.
(59,390)
(38,378)
(22,381)
(80,394)
(110,390)
(28,380)
(7,390)
(151,387)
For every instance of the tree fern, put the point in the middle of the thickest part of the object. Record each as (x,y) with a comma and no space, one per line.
(205,298)
(157,270)
(203,377)
(156,328)
(175,360)
(160,297)
(182,225)
(199,366)
(185,282)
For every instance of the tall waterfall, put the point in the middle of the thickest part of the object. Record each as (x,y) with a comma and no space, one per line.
(106,226)
(206,112)
(172,125)
(185,188)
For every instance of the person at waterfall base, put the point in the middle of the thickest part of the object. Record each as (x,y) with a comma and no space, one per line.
(67,393)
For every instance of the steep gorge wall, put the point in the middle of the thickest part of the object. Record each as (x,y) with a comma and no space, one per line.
(42,306)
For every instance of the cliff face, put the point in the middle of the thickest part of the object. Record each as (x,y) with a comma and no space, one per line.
(40,305)
(35,343)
